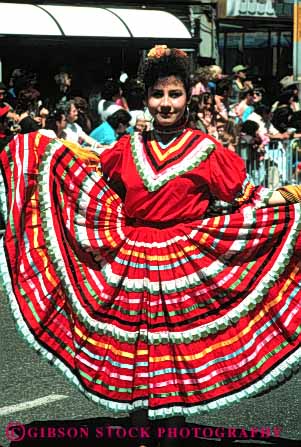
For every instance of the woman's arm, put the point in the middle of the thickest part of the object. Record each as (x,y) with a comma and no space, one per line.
(90,141)
(228,182)
(277,199)
(289,193)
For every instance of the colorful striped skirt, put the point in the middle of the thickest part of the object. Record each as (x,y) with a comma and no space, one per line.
(177,320)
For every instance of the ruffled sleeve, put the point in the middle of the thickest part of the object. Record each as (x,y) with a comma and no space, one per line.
(111,164)
(230,183)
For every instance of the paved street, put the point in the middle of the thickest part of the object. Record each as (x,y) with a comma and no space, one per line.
(47,396)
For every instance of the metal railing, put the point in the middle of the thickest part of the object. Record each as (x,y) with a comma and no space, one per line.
(279,164)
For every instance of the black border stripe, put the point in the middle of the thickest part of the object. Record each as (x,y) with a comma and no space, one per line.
(170,160)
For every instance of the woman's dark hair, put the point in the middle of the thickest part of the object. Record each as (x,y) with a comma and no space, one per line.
(261,109)
(172,63)
(194,104)
(243,95)
(27,100)
(201,74)
(52,118)
(281,118)
(28,124)
(295,120)
(205,98)
(250,128)
(119,117)
(134,94)
(110,89)
(285,96)
(223,86)
(81,103)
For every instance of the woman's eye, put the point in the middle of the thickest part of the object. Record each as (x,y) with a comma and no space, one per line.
(175,94)
(157,94)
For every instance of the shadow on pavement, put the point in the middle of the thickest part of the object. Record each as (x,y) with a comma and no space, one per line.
(105,431)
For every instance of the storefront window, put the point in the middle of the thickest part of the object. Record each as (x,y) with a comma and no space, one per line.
(260,50)
(256,40)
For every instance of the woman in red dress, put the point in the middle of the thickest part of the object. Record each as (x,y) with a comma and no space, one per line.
(166,289)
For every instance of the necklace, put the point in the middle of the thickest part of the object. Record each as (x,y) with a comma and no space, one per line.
(177,128)
(171,131)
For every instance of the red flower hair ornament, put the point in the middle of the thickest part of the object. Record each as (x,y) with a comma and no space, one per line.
(159,51)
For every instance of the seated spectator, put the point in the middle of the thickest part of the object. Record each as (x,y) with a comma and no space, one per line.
(113,128)
(289,84)
(134,94)
(204,107)
(142,122)
(14,85)
(295,122)
(262,116)
(73,131)
(244,107)
(29,108)
(7,109)
(112,99)
(258,96)
(228,141)
(250,136)
(194,122)
(84,118)
(228,133)
(221,97)
(283,113)
(216,74)
(54,128)
(94,96)
(63,93)
(106,109)
(200,81)
(56,122)
(5,132)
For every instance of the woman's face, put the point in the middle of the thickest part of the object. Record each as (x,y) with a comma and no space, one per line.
(73,114)
(67,80)
(208,104)
(167,101)
(62,123)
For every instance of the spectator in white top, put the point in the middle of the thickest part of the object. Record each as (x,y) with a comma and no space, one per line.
(73,132)
(112,99)
(262,116)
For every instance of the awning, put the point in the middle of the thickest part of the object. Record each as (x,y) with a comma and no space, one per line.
(78,21)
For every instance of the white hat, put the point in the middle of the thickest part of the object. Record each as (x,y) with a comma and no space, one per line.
(107,108)
(287,81)
(239,68)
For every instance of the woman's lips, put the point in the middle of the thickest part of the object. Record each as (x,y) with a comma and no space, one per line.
(165,115)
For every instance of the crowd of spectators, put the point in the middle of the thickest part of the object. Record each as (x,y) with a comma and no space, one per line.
(233,108)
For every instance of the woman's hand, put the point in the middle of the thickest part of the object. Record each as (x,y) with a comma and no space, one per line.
(13,116)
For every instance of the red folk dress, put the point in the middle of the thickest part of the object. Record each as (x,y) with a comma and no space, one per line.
(184,312)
